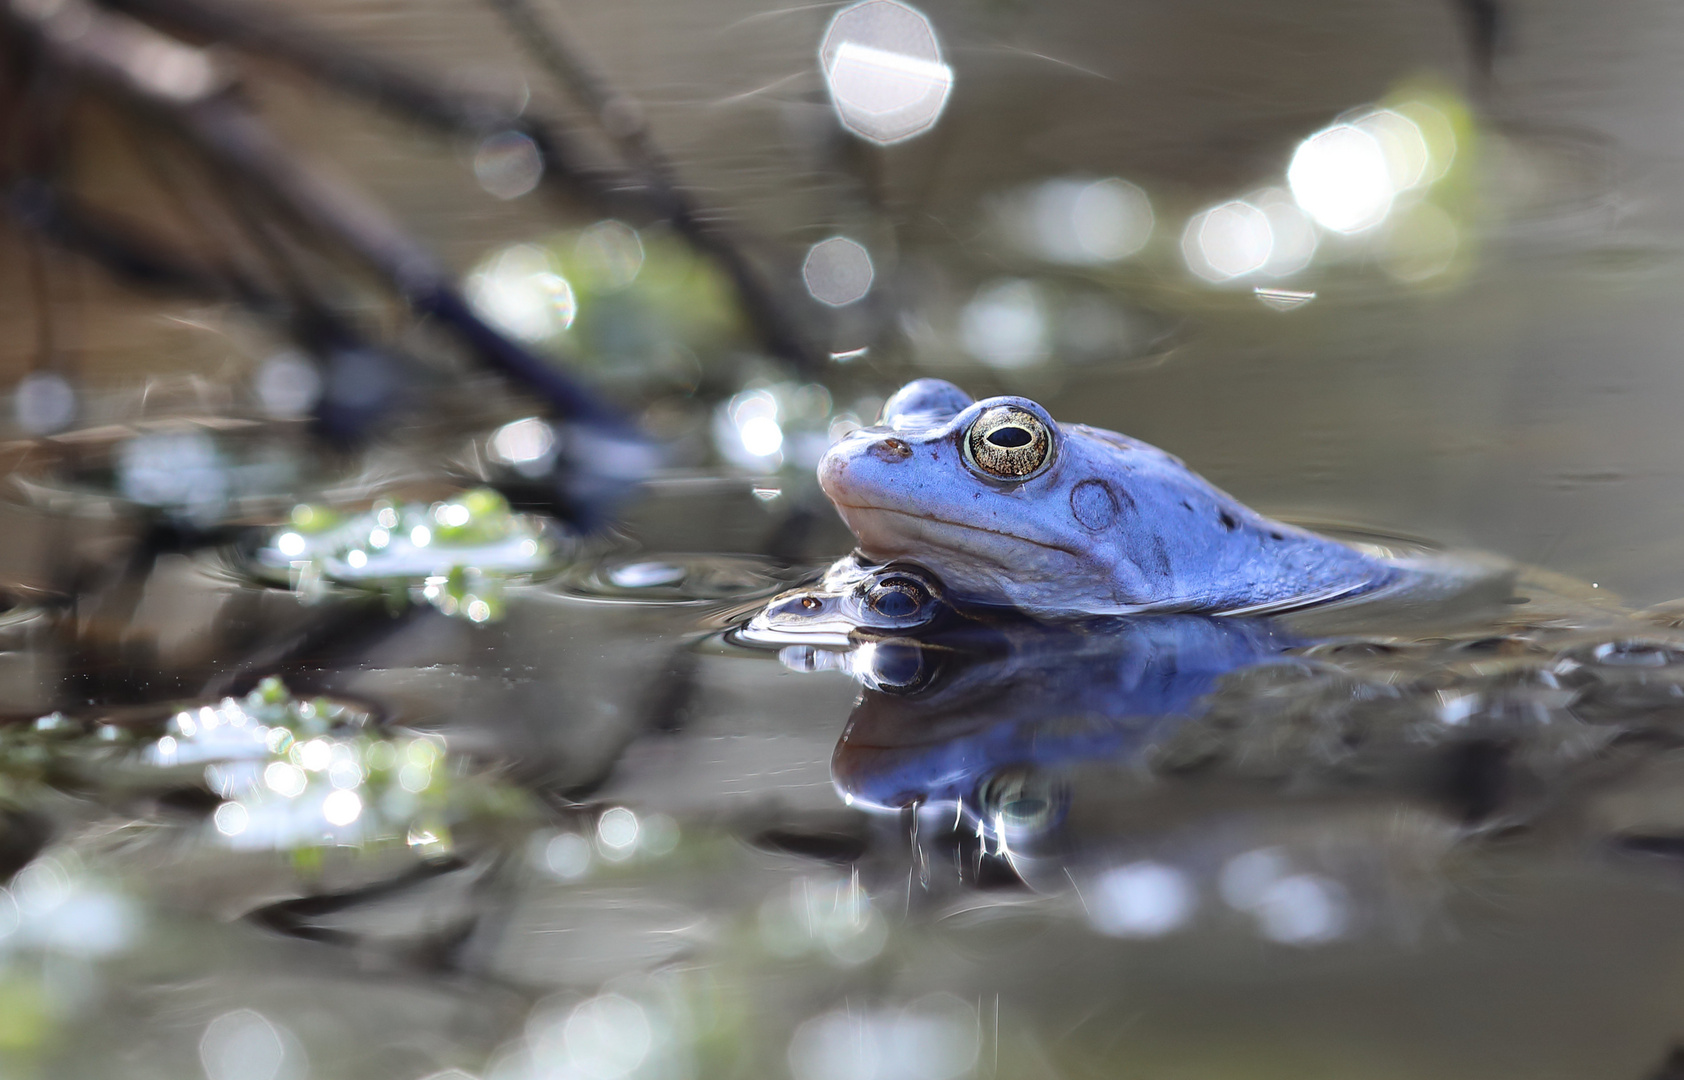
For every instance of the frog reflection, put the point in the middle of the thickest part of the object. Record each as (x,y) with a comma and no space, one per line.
(854,598)
(985,723)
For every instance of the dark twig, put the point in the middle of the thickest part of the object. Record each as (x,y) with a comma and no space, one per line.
(651,192)
(185,88)
(623,120)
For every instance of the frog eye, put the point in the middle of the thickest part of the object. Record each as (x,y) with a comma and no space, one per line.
(897,597)
(1008,443)
(1022,799)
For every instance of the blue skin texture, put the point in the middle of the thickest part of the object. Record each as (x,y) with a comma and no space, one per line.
(1110,526)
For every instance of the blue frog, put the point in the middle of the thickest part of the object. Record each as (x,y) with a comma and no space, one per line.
(1007,507)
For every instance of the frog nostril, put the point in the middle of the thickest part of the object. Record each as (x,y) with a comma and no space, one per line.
(891,450)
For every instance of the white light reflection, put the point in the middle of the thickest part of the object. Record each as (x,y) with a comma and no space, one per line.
(285,780)
(528,445)
(287,384)
(1005,325)
(245,1045)
(508,164)
(1401,143)
(1083,222)
(567,856)
(934,1038)
(1228,241)
(1141,899)
(52,908)
(231,819)
(172,469)
(616,833)
(1304,909)
(1283,299)
(519,292)
(607,1037)
(1292,234)
(837,271)
(1347,176)
(1341,178)
(883,68)
(44,402)
(747,431)
(1245,877)
(342,807)
(646,575)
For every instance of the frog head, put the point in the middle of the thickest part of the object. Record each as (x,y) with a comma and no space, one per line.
(1008,507)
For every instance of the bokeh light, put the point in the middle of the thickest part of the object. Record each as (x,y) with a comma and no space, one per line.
(246,1045)
(1006,325)
(933,1038)
(518,291)
(1290,907)
(764,428)
(837,271)
(1292,234)
(1228,241)
(1347,176)
(1080,221)
(1303,909)
(527,445)
(617,832)
(508,164)
(1141,899)
(1341,178)
(287,384)
(883,68)
(44,402)
(181,469)
(634,1028)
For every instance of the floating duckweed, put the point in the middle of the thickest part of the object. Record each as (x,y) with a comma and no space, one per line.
(458,553)
(291,772)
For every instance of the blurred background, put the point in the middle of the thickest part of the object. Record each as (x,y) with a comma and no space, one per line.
(1486,359)
(406,400)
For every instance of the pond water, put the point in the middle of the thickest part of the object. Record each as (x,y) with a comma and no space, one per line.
(284,796)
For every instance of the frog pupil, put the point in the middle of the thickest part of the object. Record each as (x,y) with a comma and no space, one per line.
(1010,437)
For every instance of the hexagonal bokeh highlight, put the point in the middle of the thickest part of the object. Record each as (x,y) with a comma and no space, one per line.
(837,271)
(884,70)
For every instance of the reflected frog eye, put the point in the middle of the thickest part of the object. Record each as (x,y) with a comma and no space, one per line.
(1008,443)
(897,597)
(1022,799)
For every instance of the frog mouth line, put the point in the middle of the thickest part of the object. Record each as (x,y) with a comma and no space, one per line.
(959,525)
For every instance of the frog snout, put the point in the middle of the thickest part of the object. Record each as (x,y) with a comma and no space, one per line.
(849,465)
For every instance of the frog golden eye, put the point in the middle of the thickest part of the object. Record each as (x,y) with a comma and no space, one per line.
(1008,443)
